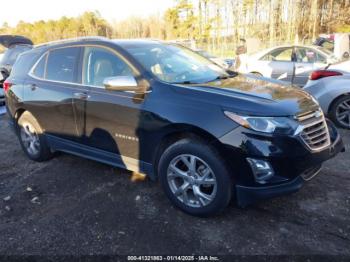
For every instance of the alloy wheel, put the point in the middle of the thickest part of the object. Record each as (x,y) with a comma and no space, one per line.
(30,139)
(192,180)
(343,113)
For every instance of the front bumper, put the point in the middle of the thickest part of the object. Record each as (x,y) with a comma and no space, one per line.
(292,162)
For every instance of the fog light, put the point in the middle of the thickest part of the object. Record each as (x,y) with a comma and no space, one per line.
(262,170)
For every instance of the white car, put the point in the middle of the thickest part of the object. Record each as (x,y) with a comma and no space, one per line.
(291,63)
(331,88)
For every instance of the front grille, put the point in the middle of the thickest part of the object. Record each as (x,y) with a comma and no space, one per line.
(315,131)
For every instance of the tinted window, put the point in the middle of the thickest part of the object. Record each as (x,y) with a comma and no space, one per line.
(100,63)
(23,64)
(282,54)
(62,64)
(39,70)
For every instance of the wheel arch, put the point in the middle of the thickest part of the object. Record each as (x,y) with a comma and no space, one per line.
(334,100)
(180,131)
(19,112)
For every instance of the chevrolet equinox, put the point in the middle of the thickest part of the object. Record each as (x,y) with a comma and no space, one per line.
(207,134)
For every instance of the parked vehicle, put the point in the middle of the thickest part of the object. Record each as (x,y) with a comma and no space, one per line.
(15,45)
(288,63)
(225,63)
(2,94)
(160,109)
(332,89)
(338,44)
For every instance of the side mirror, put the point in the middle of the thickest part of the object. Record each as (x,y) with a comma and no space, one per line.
(121,83)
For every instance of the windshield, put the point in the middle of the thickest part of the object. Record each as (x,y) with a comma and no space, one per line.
(175,64)
(205,54)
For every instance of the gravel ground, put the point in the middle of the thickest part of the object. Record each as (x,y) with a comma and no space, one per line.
(73,206)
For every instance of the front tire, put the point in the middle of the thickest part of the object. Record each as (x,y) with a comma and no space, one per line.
(340,112)
(32,139)
(195,178)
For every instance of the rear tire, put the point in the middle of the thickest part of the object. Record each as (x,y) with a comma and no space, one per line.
(32,139)
(195,178)
(340,112)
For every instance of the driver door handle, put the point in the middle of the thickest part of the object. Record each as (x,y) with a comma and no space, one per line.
(83,96)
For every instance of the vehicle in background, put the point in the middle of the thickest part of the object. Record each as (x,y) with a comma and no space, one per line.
(225,63)
(15,45)
(208,134)
(2,94)
(338,44)
(291,63)
(331,88)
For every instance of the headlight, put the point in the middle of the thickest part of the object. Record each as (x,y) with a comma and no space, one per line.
(282,125)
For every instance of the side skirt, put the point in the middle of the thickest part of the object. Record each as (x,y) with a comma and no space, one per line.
(67,146)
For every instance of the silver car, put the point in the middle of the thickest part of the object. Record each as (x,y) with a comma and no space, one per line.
(331,89)
(292,63)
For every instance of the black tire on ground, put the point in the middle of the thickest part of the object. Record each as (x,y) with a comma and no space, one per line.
(333,111)
(224,182)
(42,151)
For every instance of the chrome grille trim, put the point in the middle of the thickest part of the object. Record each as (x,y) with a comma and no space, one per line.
(314,134)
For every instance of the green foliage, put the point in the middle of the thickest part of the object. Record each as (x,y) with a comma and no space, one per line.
(89,23)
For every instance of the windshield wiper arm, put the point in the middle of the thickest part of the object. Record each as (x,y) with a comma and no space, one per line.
(186,82)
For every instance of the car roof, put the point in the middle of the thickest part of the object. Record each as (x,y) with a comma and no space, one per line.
(267,50)
(82,40)
(71,40)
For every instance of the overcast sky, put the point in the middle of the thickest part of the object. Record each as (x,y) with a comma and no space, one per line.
(113,10)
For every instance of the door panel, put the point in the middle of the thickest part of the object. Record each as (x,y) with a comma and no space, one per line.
(279,62)
(51,104)
(112,117)
(49,92)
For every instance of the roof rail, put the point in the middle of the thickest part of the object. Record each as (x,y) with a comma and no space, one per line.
(63,41)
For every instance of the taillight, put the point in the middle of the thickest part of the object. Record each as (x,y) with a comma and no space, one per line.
(6,85)
(318,74)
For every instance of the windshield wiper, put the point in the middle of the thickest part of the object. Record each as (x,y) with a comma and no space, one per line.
(222,77)
(186,82)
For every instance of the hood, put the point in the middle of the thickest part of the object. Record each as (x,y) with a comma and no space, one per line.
(10,40)
(252,95)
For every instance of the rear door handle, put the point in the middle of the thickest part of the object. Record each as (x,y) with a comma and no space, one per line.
(81,96)
(33,87)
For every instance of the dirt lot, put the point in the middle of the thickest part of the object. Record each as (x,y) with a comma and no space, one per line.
(70,205)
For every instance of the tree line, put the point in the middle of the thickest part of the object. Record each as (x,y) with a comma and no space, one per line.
(212,24)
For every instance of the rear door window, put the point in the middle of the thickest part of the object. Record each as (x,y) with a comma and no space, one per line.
(39,70)
(62,64)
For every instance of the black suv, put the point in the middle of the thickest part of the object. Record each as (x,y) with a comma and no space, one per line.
(160,109)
